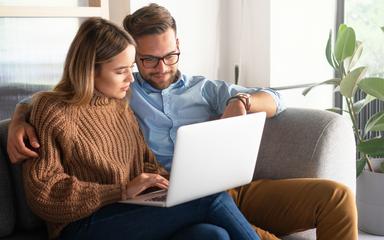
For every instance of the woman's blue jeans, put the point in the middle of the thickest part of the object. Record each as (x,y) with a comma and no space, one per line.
(215,215)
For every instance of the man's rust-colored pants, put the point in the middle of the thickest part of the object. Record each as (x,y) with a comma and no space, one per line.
(282,207)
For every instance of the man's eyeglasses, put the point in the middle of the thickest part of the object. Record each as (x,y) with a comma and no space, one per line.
(152,61)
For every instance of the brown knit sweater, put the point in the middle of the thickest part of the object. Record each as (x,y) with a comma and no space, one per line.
(87,155)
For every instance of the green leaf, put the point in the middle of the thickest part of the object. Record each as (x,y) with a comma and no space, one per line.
(348,85)
(360,164)
(375,123)
(355,56)
(358,106)
(333,81)
(373,86)
(345,43)
(372,147)
(342,28)
(328,50)
(337,65)
(340,32)
(382,28)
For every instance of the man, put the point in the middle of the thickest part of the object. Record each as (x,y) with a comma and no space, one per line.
(163,99)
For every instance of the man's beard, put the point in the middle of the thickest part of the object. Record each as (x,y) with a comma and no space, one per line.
(171,77)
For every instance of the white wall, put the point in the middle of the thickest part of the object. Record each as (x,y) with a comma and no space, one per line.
(118,9)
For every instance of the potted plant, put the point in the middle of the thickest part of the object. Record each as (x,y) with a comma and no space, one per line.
(343,58)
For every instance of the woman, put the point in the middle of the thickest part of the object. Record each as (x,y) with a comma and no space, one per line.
(93,155)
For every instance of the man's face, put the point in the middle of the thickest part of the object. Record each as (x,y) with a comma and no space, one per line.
(150,47)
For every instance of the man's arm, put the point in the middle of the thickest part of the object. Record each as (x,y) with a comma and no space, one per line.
(263,102)
(258,102)
(18,130)
(229,100)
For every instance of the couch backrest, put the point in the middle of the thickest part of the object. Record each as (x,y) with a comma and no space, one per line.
(14,211)
(13,93)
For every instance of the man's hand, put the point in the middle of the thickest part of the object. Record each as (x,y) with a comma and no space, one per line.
(16,148)
(19,130)
(234,108)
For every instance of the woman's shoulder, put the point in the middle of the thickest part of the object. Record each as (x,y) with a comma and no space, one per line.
(46,99)
(47,108)
(46,103)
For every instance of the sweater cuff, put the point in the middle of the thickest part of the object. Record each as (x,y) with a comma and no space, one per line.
(111,193)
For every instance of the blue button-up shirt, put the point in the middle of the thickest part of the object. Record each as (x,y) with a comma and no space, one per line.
(188,100)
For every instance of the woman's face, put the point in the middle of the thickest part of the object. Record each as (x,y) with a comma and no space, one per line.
(114,77)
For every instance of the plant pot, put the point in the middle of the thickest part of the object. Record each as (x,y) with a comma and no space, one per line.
(370,202)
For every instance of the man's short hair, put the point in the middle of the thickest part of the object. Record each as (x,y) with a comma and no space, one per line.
(151,19)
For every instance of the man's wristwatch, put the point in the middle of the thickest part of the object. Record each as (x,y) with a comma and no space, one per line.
(244,98)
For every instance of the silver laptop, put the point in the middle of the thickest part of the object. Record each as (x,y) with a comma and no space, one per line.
(210,157)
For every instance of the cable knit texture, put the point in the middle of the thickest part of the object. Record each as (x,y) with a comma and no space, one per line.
(87,155)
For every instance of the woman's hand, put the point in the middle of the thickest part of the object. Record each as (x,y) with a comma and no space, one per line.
(144,181)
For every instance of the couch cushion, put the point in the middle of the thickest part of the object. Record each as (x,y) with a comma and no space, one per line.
(25,218)
(7,212)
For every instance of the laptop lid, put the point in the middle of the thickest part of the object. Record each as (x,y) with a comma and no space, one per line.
(214,156)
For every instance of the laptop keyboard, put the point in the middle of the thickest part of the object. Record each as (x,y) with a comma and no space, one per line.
(161,198)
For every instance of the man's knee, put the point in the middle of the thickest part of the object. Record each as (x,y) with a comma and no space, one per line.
(337,191)
(339,197)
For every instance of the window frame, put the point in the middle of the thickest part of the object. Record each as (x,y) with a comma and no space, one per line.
(97,8)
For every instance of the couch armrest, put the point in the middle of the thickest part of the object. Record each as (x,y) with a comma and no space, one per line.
(25,218)
(7,210)
(307,143)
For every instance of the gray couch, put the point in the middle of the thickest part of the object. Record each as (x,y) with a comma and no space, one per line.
(299,143)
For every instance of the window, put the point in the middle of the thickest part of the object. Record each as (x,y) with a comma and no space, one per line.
(299,33)
(366,19)
(34,39)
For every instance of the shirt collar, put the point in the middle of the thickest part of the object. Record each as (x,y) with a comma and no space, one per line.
(181,81)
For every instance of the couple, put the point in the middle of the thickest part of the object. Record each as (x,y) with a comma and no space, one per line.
(92,153)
